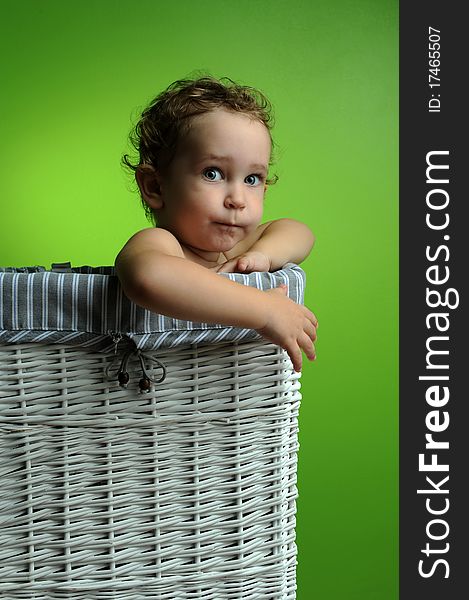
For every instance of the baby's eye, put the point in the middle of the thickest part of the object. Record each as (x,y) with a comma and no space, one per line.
(212,174)
(253,179)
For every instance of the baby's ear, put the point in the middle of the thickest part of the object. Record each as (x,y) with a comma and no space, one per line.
(148,182)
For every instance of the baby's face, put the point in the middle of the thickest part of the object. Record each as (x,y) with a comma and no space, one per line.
(212,195)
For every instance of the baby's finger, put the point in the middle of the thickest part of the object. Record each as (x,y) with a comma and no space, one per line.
(244,265)
(310,329)
(311,316)
(296,357)
(307,345)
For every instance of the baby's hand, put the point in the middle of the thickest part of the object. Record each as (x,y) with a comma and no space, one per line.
(289,325)
(246,263)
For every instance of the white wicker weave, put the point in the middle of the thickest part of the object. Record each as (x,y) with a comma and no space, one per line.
(187,491)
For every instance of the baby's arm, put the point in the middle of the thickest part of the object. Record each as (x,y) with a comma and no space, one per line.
(279,242)
(154,274)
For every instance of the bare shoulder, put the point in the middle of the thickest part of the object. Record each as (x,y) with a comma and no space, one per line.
(144,248)
(147,252)
(152,239)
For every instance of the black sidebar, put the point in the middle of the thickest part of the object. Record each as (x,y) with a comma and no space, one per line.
(434,254)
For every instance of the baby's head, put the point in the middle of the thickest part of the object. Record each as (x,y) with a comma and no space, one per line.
(176,116)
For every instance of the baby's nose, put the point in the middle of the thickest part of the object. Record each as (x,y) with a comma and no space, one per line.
(235,198)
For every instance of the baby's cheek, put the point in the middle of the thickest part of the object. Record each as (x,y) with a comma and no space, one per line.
(260,209)
(256,213)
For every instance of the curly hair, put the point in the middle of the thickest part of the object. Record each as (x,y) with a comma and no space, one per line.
(167,119)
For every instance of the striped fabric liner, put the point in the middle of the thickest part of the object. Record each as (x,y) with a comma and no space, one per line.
(86,307)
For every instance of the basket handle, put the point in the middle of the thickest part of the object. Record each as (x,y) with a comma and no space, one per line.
(63,267)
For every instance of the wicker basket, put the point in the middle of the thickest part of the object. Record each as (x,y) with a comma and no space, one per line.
(185,491)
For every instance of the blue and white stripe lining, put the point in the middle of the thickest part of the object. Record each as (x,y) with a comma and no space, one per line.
(86,307)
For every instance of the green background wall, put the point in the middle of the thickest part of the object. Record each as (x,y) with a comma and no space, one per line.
(75,74)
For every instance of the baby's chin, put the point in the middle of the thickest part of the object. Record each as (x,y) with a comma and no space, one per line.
(221,238)
(226,237)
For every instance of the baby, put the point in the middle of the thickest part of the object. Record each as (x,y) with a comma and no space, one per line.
(204,154)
